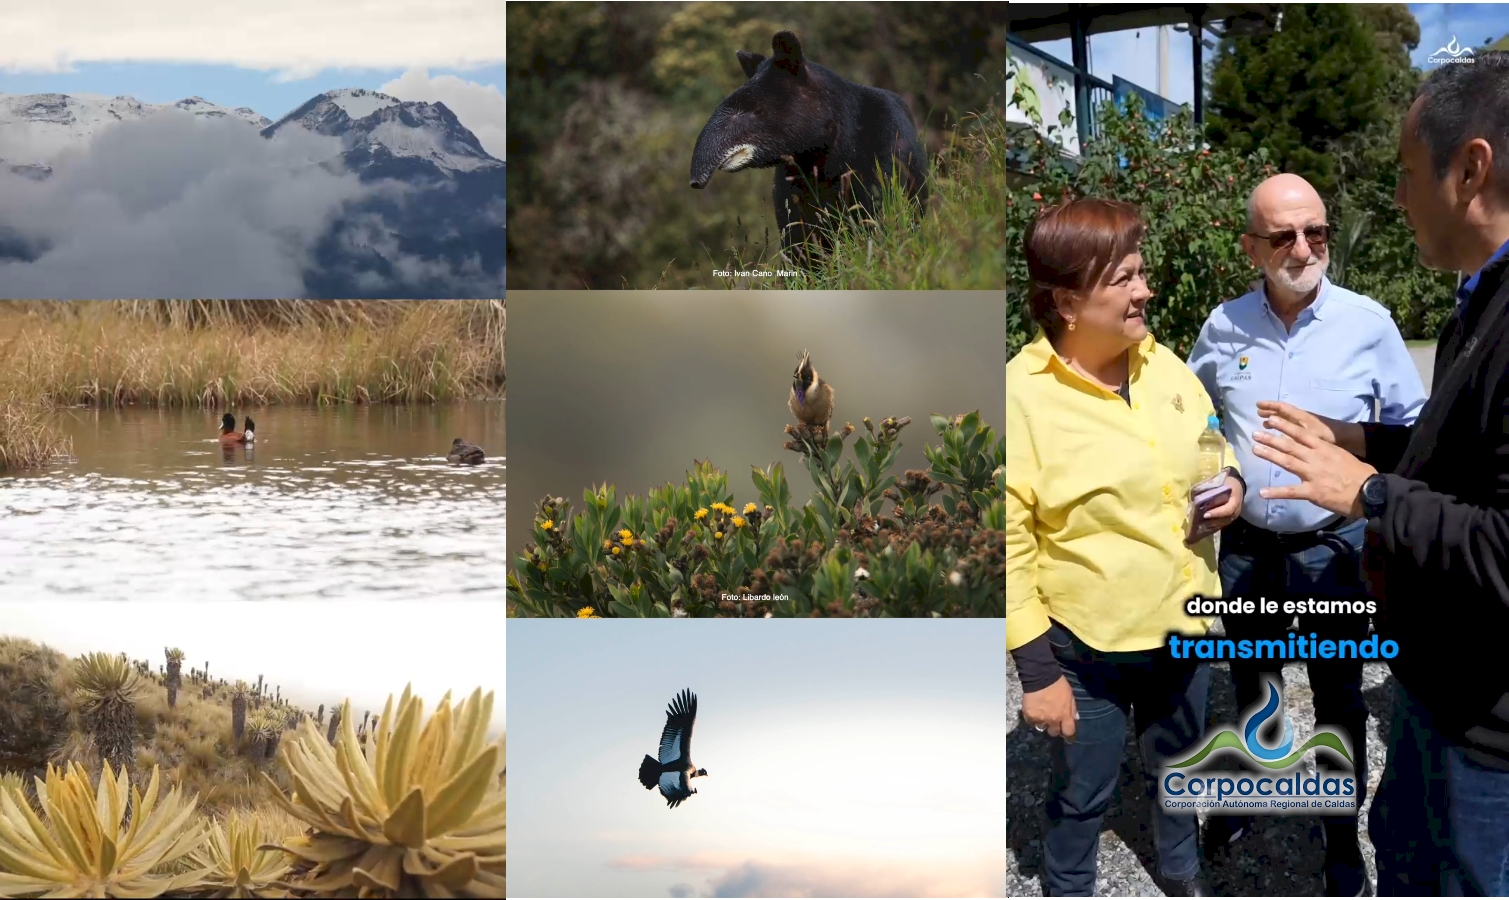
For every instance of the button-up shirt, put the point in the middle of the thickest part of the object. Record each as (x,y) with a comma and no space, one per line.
(1097,493)
(1343,357)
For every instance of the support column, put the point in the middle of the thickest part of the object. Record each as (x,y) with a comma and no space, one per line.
(1080,48)
(1197,33)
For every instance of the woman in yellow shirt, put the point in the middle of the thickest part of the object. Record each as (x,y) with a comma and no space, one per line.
(1102,433)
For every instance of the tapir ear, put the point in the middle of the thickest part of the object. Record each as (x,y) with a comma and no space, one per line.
(788,52)
(750,62)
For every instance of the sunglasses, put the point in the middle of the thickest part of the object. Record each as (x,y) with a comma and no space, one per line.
(1315,236)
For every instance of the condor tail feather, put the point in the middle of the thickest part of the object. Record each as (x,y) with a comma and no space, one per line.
(649,772)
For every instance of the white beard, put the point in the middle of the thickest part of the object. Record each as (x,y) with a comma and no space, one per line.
(1307,279)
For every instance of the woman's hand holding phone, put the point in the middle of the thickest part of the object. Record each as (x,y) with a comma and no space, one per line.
(1213,506)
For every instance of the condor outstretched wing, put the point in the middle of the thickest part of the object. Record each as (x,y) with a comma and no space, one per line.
(676,739)
(673,788)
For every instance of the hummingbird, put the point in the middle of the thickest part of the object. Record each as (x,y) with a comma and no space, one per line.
(811,397)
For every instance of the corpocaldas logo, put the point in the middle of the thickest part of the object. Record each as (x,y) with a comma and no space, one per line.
(1242,363)
(1452,53)
(1273,779)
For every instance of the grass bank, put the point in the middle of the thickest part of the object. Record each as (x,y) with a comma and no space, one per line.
(29,434)
(959,244)
(224,353)
(228,757)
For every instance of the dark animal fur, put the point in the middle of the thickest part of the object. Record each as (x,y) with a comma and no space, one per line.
(826,137)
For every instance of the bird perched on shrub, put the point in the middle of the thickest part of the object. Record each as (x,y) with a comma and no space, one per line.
(811,397)
(673,770)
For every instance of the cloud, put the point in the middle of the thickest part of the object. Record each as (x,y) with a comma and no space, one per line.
(733,876)
(173,206)
(480,107)
(293,37)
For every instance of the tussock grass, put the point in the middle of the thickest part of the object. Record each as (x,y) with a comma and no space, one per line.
(958,244)
(201,353)
(29,434)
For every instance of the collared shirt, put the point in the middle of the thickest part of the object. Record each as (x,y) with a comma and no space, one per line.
(1465,291)
(1344,355)
(1097,493)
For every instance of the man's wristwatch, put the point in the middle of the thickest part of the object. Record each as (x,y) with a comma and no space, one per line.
(1374,495)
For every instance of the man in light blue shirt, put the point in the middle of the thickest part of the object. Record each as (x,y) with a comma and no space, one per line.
(1301,339)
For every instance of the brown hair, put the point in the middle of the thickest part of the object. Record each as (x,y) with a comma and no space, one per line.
(1074,246)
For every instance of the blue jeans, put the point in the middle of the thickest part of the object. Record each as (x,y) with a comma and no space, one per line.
(1251,570)
(1440,821)
(1166,698)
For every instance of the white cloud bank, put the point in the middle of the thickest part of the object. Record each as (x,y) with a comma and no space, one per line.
(293,37)
(480,107)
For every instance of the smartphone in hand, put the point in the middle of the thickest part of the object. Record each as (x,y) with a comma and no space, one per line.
(1204,498)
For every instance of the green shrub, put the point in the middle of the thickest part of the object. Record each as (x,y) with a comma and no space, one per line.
(1193,198)
(688,550)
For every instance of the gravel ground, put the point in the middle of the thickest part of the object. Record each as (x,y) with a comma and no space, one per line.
(1280,857)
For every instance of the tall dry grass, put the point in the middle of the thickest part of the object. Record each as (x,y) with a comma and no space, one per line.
(251,352)
(29,434)
(222,353)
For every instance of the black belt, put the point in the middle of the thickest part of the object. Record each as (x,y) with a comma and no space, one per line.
(1243,535)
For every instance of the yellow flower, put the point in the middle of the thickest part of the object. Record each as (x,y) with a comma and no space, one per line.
(718,535)
(700,514)
(607,545)
(617,550)
(749,508)
(586,612)
(625,535)
(548,524)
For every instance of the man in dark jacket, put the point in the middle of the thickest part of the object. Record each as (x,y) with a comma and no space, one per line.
(1437,549)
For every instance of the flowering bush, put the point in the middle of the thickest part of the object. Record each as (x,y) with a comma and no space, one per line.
(690,550)
(1193,198)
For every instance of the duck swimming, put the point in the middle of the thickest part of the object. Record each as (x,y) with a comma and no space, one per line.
(229,434)
(462,452)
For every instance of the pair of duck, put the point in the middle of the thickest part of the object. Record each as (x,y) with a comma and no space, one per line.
(461,451)
(229,435)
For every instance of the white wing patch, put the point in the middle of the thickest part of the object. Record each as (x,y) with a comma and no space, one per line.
(670,745)
(673,787)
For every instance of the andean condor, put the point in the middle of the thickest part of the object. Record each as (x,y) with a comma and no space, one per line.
(673,771)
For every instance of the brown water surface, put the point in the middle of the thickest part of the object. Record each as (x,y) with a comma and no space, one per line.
(335,502)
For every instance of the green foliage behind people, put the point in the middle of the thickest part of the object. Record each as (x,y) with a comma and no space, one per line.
(1295,89)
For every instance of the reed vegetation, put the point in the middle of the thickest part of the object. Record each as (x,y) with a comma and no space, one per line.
(235,353)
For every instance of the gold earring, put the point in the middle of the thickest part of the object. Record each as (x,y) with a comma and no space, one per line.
(1071,324)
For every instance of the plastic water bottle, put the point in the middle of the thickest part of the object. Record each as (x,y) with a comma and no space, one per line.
(1212,450)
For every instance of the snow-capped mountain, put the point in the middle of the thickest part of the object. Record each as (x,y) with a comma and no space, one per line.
(37,127)
(376,129)
(435,207)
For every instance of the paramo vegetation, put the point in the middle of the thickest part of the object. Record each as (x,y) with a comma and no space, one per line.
(870,543)
(118,781)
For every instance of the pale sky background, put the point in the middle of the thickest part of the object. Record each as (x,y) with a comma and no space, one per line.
(1134,54)
(844,758)
(271,55)
(319,652)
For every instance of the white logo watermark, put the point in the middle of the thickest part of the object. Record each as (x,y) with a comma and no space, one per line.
(1452,53)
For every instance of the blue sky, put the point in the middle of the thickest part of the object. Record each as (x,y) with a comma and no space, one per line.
(844,758)
(1133,54)
(264,91)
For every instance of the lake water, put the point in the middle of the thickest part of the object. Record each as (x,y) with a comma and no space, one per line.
(329,503)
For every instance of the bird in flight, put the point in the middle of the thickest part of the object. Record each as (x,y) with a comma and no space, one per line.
(673,771)
(811,398)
